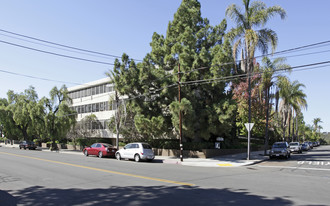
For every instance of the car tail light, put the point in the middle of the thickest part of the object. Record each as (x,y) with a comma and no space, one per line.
(141,153)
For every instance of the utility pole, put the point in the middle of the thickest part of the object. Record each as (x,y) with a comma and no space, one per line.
(180,114)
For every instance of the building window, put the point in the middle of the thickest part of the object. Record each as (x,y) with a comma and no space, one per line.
(88,108)
(106,106)
(97,90)
(101,106)
(97,107)
(89,92)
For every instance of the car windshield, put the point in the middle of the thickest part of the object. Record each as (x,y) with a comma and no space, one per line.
(279,145)
(146,146)
(294,144)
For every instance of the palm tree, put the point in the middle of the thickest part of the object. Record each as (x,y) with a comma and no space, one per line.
(293,99)
(316,122)
(269,80)
(248,36)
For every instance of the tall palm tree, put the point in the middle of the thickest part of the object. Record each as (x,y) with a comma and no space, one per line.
(293,99)
(269,80)
(248,36)
(316,122)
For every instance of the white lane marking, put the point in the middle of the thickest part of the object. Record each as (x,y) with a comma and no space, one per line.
(297,168)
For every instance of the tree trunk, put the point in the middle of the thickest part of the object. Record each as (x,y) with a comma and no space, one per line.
(289,129)
(297,128)
(283,126)
(267,119)
(293,136)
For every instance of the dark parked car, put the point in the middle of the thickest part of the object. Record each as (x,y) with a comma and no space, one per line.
(280,149)
(100,150)
(305,147)
(310,145)
(27,145)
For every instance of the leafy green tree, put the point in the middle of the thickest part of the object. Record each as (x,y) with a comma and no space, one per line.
(58,116)
(151,86)
(20,108)
(83,128)
(8,126)
(257,106)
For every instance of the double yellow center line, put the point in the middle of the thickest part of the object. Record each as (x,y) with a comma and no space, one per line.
(102,170)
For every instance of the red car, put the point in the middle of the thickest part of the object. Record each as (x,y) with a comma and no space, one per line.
(100,150)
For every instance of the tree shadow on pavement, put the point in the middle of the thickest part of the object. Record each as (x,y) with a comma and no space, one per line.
(135,195)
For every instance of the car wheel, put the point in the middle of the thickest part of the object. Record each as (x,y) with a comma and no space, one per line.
(100,154)
(86,153)
(20,147)
(118,157)
(24,147)
(137,158)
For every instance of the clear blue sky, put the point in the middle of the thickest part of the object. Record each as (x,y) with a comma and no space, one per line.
(115,27)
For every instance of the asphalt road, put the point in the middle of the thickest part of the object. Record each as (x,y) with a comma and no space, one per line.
(30,177)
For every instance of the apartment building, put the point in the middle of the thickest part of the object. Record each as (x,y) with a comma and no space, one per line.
(94,98)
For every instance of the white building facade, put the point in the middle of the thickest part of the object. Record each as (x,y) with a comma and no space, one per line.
(94,98)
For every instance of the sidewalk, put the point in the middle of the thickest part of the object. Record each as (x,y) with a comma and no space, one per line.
(235,160)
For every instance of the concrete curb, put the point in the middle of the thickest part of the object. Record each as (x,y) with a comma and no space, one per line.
(223,161)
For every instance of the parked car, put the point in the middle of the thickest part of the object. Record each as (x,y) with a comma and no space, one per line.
(280,149)
(27,145)
(295,147)
(305,147)
(100,150)
(137,151)
(310,145)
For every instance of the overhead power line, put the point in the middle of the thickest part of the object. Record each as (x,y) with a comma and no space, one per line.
(62,45)
(56,54)
(298,48)
(55,47)
(228,78)
(276,53)
(39,78)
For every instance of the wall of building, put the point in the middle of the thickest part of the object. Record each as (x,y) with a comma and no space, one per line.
(94,98)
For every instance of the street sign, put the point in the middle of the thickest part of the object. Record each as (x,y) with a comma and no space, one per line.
(219,139)
(249,126)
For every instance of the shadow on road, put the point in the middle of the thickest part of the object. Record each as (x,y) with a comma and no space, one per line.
(135,195)
(7,199)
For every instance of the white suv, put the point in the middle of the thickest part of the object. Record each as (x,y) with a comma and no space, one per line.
(295,147)
(137,151)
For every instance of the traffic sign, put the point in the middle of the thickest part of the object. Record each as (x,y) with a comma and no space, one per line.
(249,126)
